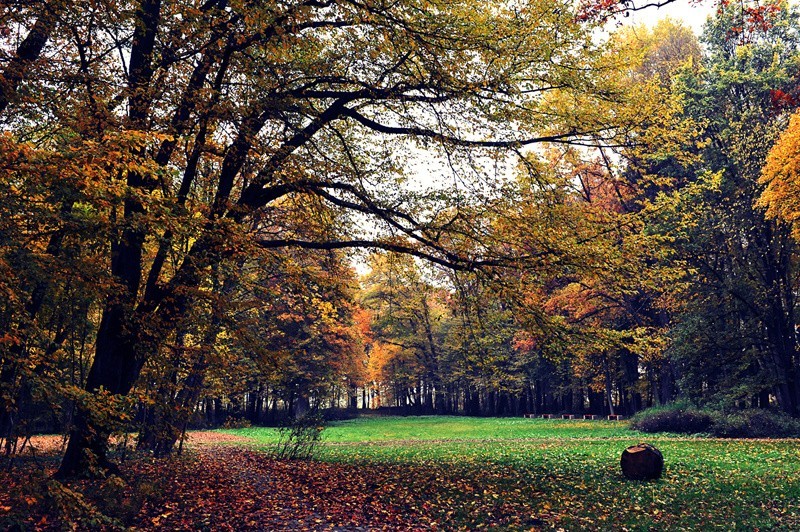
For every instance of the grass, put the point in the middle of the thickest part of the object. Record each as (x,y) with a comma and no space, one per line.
(565,474)
(434,428)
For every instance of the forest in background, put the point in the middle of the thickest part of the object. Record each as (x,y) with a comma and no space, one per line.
(612,225)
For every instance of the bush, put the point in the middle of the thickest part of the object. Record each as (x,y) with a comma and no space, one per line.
(676,417)
(755,423)
(236,423)
(685,419)
(298,440)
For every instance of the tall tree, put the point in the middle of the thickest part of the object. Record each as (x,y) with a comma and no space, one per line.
(407,314)
(740,266)
(780,175)
(194,122)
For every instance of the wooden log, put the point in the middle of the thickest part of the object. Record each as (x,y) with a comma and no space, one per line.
(642,462)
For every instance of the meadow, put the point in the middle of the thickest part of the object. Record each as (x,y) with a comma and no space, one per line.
(519,473)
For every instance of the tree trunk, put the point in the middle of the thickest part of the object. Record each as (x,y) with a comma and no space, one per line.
(119,352)
(27,53)
(117,364)
(352,398)
(782,346)
(302,404)
(630,364)
(666,381)
(609,397)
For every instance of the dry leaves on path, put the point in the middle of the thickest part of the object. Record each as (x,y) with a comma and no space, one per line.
(215,486)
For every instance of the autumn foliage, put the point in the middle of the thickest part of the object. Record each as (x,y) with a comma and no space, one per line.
(781,177)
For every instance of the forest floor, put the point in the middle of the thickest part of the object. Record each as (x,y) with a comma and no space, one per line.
(420,474)
(218,486)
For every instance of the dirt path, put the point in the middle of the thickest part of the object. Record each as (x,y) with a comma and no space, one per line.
(210,437)
(219,486)
(49,443)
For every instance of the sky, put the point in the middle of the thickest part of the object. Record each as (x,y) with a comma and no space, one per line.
(690,13)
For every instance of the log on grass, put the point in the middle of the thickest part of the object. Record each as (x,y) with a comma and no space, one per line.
(642,462)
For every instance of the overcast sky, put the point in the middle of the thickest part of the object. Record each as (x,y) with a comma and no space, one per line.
(692,15)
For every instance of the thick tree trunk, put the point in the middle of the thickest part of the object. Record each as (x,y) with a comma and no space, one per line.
(474,408)
(27,53)
(778,315)
(254,399)
(666,383)
(539,406)
(577,397)
(781,340)
(630,363)
(123,341)
(609,398)
(119,352)
(116,366)
(439,403)
(259,415)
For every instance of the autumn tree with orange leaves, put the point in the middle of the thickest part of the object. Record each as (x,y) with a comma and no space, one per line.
(781,178)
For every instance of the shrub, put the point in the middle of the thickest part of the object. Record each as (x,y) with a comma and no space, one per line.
(121,501)
(298,440)
(686,419)
(676,417)
(755,423)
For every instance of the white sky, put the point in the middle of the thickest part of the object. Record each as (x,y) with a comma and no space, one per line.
(690,13)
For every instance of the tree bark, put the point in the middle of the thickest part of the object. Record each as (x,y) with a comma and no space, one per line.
(27,53)
(609,398)
(117,364)
(119,352)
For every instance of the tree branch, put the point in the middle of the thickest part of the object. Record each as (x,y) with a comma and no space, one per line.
(429,133)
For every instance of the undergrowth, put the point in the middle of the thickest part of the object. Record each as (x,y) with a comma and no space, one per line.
(682,418)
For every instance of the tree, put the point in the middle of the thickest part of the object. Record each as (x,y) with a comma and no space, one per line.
(593,303)
(191,125)
(740,270)
(407,319)
(780,176)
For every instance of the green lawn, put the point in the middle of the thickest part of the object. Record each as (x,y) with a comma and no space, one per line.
(522,473)
(422,428)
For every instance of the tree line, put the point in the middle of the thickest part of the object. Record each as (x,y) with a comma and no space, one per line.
(672,267)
